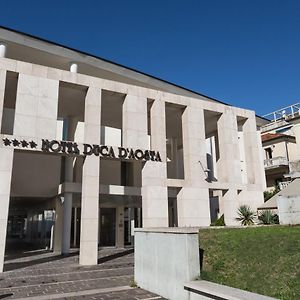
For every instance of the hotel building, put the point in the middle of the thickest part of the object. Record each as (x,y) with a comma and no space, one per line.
(90,149)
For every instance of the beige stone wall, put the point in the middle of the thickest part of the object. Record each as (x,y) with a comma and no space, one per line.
(36,117)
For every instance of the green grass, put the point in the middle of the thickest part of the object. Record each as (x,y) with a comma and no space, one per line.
(265,260)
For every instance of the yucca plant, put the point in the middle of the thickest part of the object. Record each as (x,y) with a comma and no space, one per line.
(245,215)
(267,217)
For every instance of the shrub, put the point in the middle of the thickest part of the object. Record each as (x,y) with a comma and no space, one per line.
(245,215)
(267,217)
(268,195)
(219,222)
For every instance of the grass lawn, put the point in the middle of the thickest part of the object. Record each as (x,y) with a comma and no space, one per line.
(265,260)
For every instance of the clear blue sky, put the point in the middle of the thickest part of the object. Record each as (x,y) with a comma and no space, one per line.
(246,53)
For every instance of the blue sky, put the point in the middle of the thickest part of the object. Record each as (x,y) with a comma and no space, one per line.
(245,53)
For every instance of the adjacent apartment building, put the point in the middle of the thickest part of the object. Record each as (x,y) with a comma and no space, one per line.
(90,149)
(281,146)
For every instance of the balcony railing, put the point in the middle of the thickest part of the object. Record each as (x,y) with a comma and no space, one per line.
(282,185)
(285,113)
(276,162)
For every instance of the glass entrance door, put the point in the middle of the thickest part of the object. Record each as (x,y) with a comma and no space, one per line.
(107,227)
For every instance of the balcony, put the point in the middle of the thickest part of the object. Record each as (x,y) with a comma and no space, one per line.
(275,162)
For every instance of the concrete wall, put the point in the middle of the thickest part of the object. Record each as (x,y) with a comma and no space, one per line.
(205,290)
(289,209)
(35,175)
(36,107)
(165,259)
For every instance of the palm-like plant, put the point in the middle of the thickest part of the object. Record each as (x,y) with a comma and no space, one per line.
(267,217)
(245,215)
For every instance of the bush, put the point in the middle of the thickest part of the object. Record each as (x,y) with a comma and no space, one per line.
(267,217)
(268,195)
(219,222)
(245,215)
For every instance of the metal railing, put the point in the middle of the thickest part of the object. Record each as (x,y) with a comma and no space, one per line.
(276,162)
(282,185)
(285,113)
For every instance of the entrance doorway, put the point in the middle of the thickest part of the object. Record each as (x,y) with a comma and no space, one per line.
(107,226)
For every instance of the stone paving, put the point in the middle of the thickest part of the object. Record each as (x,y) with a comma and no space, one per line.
(43,275)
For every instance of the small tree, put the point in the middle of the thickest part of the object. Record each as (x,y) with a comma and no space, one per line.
(245,215)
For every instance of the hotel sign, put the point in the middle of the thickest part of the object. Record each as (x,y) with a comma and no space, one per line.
(72,148)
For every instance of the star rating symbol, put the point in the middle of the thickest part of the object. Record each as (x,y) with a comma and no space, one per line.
(33,144)
(6,142)
(16,142)
(24,144)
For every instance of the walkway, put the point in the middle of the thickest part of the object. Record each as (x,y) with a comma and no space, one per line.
(42,275)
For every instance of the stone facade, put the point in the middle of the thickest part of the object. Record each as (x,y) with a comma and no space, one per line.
(40,97)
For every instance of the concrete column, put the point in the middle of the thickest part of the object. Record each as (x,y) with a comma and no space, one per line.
(6,165)
(154,174)
(58,226)
(173,167)
(2,90)
(120,227)
(131,224)
(3,48)
(75,227)
(229,205)
(261,179)
(193,198)
(68,197)
(253,157)
(296,130)
(134,125)
(29,225)
(139,217)
(90,181)
(67,219)
(229,164)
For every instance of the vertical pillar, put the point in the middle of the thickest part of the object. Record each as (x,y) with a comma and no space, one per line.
(193,198)
(2,90)
(6,165)
(139,217)
(120,227)
(67,219)
(255,174)
(58,226)
(154,174)
(29,225)
(260,161)
(68,197)
(252,152)
(75,227)
(296,130)
(90,181)
(229,164)
(229,204)
(134,125)
(131,224)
